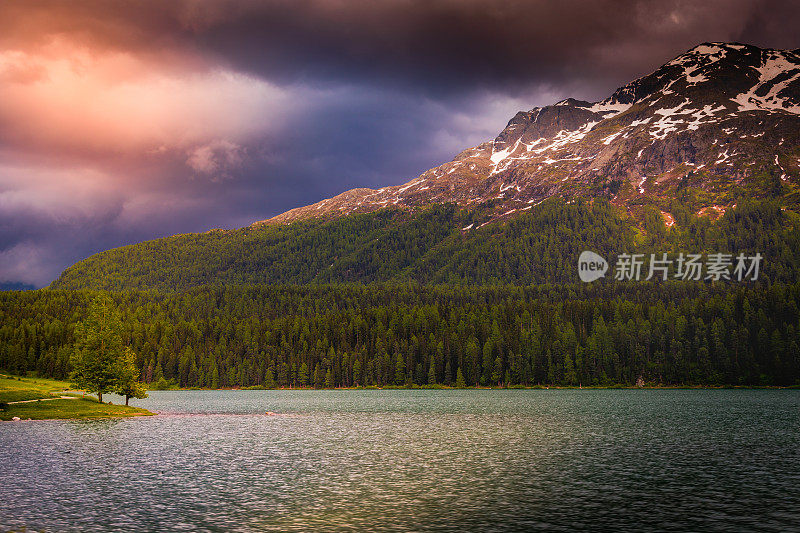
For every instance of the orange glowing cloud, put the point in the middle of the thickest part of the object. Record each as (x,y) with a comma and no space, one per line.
(66,98)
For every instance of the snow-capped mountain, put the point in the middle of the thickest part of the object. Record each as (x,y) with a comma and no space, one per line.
(721,119)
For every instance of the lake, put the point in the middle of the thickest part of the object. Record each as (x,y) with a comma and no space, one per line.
(422,460)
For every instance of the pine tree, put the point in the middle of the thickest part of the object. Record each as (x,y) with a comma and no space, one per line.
(98,349)
(460,379)
(400,370)
(486,377)
(356,372)
(569,370)
(214,377)
(128,377)
(302,375)
(318,376)
(269,379)
(497,371)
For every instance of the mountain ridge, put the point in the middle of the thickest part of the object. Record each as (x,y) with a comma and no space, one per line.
(722,118)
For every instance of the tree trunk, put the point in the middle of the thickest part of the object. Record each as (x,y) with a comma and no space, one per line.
(100,397)
(126,400)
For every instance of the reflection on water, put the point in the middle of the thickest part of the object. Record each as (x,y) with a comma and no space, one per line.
(413,460)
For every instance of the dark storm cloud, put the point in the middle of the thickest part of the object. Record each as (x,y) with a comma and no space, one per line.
(435,46)
(169,117)
(441,47)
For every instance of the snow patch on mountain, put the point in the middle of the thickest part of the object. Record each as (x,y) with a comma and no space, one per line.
(694,79)
(565,137)
(776,73)
(608,108)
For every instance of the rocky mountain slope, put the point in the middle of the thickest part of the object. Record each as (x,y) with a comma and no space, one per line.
(721,120)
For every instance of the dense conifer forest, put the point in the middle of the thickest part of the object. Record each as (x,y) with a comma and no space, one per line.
(349,335)
(398,299)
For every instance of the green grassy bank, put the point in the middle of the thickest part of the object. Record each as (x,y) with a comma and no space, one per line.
(42,400)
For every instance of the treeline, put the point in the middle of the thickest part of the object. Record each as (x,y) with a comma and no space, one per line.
(398,334)
(432,246)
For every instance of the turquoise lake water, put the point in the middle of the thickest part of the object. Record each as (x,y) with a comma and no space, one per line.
(405,460)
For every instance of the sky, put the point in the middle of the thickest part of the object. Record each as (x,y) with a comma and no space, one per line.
(126,121)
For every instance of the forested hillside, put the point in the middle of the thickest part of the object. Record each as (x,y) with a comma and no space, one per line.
(438,244)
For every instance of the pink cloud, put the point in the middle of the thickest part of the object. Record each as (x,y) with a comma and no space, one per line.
(111,102)
(216,159)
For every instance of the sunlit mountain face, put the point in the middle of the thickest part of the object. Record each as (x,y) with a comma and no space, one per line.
(721,118)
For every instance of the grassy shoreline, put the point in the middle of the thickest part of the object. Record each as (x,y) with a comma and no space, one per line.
(48,399)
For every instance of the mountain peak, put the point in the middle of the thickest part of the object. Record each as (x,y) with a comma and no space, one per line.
(715,48)
(721,118)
